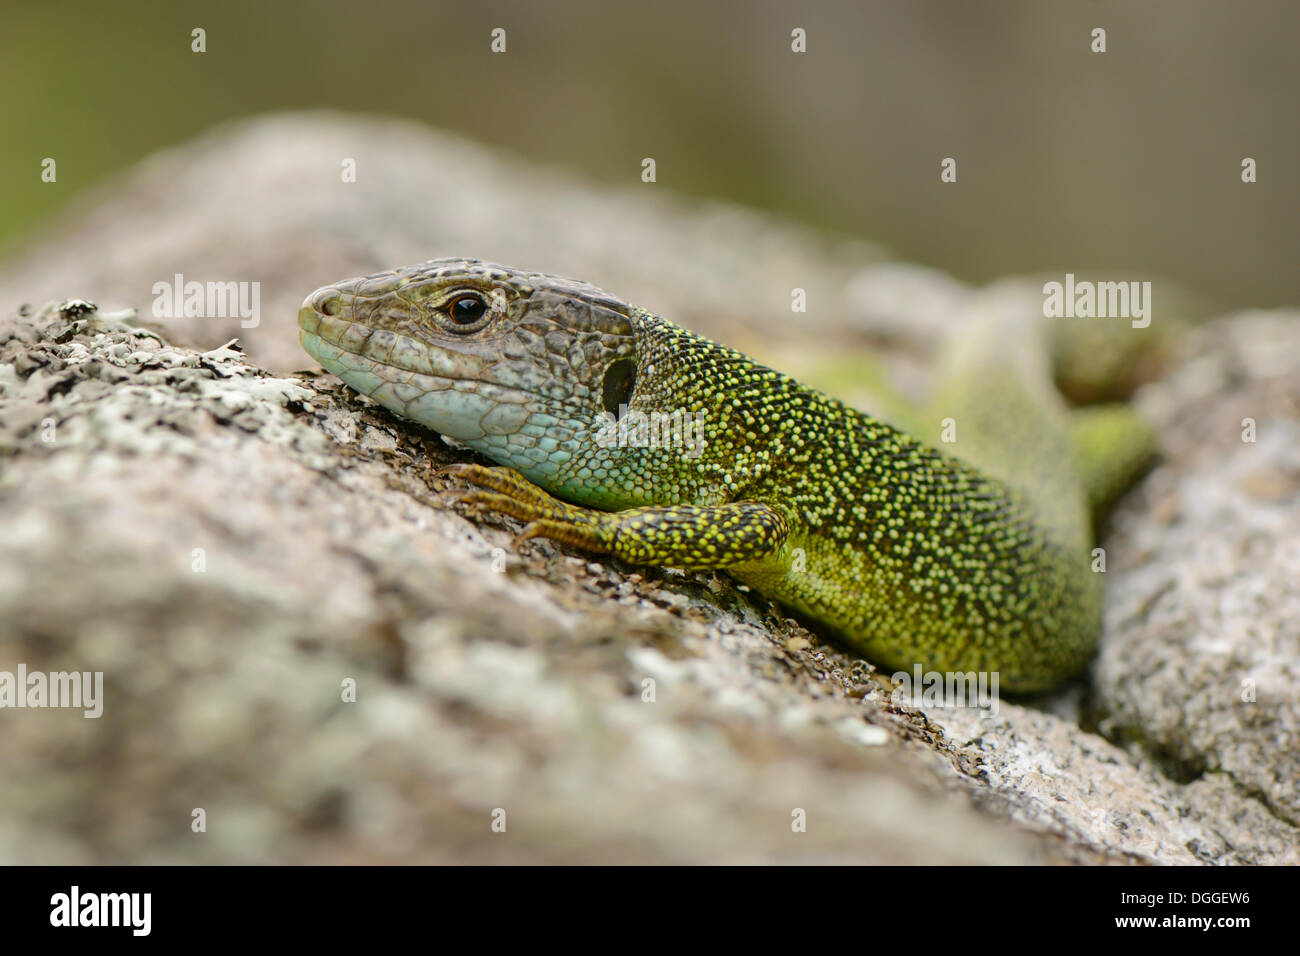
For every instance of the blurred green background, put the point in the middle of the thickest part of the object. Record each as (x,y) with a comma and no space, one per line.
(1067,160)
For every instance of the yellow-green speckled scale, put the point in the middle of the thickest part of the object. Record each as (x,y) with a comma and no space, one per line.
(966,554)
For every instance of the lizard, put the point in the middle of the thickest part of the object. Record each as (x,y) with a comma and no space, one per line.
(972,559)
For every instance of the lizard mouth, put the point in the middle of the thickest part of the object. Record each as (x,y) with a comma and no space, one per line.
(333,334)
(462,408)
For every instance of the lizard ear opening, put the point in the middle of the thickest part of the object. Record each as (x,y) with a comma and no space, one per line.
(620,379)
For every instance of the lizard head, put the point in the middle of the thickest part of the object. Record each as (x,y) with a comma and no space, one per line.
(522,367)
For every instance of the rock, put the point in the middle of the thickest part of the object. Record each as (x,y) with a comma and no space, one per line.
(231,546)
(1203,665)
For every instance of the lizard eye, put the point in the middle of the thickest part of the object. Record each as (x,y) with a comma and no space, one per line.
(467,309)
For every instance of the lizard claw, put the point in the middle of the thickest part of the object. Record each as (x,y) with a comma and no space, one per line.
(531,530)
(449,471)
(450,497)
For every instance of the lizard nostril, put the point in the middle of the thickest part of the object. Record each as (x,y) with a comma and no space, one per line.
(330,305)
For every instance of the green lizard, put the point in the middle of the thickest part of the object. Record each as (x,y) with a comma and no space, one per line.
(912,554)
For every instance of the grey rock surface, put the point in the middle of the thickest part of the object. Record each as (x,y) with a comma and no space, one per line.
(230,545)
(1206,672)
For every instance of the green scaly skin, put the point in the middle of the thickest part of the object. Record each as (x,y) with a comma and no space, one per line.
(913,555)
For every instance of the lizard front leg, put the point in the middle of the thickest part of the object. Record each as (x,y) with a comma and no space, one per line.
(690,537)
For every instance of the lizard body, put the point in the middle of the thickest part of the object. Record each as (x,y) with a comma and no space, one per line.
(911,554)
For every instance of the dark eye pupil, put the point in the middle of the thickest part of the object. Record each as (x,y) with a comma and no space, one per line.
(468,309)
